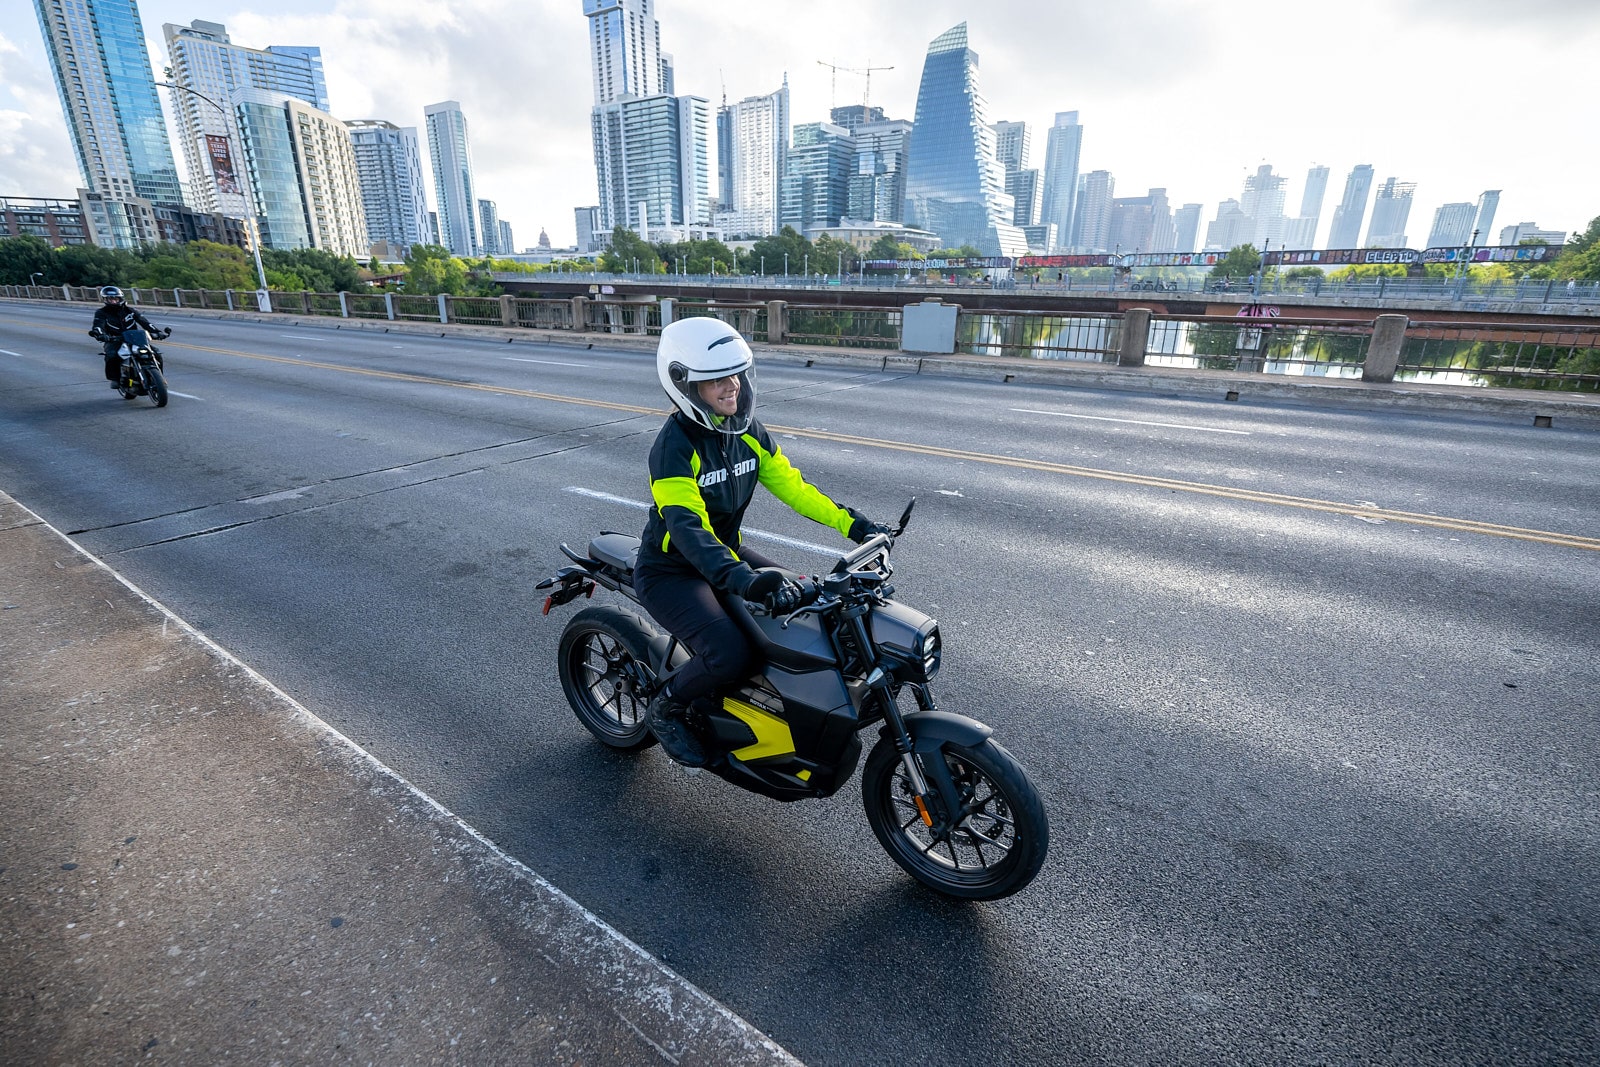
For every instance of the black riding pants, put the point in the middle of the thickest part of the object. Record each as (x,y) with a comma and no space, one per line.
(691,610)
(113,361)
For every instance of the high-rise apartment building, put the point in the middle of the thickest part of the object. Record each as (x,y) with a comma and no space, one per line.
(752,157)
(650,147)
(303,172)
(507,244)
(1263,200)
(489,227)
(625,49)
(1488,202)
(1452,225)
(816,186)
(205,60)
(1345,231)
(1142,223)
(955,185)
(454,189)
(878,176)
(1390,209)
(1186,227)
(1091,226)
(1063,146)
(1230,229)
(108,94)
(1530,231)
(389,162)
(1013,142)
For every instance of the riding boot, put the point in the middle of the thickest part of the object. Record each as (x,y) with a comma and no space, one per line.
(669,723)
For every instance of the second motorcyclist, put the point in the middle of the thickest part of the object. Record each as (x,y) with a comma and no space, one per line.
(704,468)
(111,319)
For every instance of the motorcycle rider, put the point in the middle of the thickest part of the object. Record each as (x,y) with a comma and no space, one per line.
(110,320)
(704,467)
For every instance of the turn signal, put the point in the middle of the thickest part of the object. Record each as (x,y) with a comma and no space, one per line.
(923,810)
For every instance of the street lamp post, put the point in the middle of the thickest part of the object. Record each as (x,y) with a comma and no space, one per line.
(262,299)
(786,264)
(1461,270)
(32,278)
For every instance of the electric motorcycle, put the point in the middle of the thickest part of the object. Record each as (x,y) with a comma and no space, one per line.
(948,804)
(141,373)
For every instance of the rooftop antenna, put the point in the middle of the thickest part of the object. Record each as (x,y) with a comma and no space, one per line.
(723,79)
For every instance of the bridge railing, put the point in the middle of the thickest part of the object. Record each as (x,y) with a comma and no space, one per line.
(1530,354)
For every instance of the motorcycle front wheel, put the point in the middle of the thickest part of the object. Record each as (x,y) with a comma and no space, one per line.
(156,386)
(995,844)
(604,664)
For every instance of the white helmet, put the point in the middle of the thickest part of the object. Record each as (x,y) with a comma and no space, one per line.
(702,350)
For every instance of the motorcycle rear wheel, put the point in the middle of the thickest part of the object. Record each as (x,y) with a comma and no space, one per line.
(155,386)
(603,661)
(1002,834)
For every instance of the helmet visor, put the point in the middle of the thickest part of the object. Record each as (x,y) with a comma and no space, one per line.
(726,401)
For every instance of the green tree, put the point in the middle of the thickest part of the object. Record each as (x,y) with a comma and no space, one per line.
(92,265)
(428,275)
(22,257)
(1237,266)
(772,250)
(627,250)
(222,266)
(832,251)
(169,269)
(319,271)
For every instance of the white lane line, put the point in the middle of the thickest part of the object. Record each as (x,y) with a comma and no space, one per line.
(550,362)
(8,352)
(763,535)
(306,337)
(1131,422)
(186,396)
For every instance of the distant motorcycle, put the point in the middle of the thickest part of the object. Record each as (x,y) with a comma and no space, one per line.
(947,803)
(141,373)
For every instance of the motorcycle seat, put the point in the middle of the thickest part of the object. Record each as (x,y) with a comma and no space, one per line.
(616,550)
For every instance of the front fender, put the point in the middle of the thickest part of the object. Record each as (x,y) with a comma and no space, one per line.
(931,729)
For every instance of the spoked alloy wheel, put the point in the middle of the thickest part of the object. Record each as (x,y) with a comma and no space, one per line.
(994,845)
(603,662)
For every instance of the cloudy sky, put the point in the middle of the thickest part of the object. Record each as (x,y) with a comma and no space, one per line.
(1191,95)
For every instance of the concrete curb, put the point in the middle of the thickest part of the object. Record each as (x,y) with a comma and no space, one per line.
(248,820)
(1528,406)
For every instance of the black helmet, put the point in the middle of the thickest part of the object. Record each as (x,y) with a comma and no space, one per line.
(111,293)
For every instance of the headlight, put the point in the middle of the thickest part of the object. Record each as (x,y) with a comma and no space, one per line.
(928,652)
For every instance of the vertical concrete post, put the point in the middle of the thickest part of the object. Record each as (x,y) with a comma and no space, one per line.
(305,301)
(508,310)
(344,304)
(229,294)
(177,298)
(666,311)
(580,317)
(444,308)
(66,292)
(777,322)
(1383,354)
(388,305)
(1135,337)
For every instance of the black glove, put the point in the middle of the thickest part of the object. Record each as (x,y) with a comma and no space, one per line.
(763,585)
(96,334)
(786,599)
(864,528)
(162,335)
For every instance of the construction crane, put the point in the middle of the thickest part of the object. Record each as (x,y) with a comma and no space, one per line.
(833,90)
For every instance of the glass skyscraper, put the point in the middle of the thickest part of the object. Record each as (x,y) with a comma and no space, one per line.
(206,60)
(1062,149)
(454,190)
(1390,210)
(752,156)
(303,173)
(955,185)
(878,176)
(102,72)
(816,188)
(1345,231)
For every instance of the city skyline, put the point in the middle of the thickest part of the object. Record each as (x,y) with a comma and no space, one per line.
(1145,127)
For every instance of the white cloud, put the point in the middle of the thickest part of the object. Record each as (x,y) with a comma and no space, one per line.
(35,151)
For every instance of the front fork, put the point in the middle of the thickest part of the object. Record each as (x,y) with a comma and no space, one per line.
(943,787)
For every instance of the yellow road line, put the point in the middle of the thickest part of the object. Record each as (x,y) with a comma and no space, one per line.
(1253,496)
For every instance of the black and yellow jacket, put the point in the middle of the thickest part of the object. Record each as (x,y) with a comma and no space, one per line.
(702,482)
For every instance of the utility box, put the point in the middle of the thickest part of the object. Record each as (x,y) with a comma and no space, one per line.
(929,327)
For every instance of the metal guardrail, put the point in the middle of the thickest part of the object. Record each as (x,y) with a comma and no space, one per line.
(1530,355)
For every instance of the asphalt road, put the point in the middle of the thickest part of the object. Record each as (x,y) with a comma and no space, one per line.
(1319,747)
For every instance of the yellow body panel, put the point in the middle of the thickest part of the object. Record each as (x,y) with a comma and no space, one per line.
(772,733)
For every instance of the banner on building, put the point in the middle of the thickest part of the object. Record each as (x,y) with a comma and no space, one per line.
(1492,254)
(222,164)
(1340,257)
